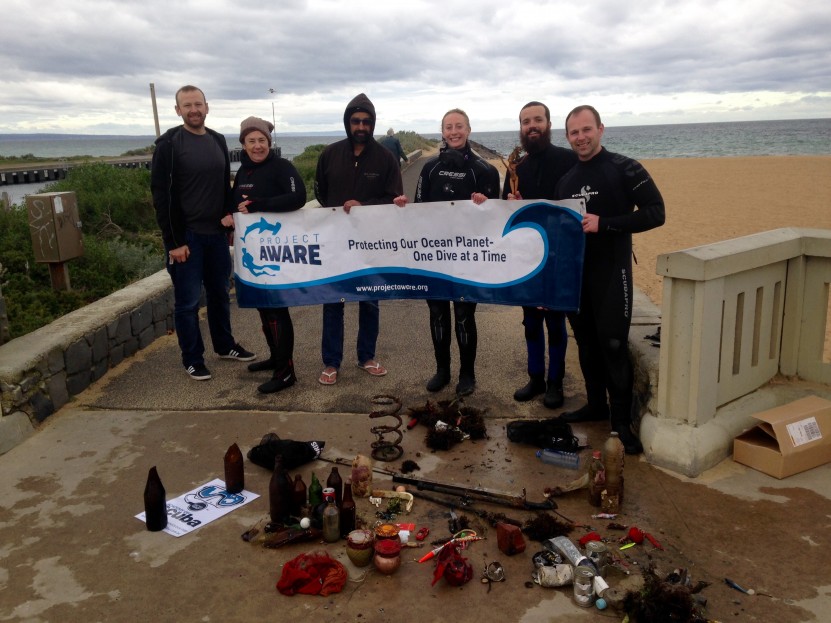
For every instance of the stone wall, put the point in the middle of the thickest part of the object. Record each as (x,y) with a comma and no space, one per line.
(40,371)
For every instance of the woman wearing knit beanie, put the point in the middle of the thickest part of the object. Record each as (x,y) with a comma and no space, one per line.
(267,183)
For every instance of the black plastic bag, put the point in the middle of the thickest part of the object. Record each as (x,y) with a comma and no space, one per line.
(295,453)
(550,433)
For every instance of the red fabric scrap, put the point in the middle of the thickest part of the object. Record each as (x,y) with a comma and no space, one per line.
(591,536)
(315,573)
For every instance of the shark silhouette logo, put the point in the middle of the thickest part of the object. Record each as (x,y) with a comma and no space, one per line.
(262,227)
(586,192)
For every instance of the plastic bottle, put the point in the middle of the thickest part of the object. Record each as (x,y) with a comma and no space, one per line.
(279,493)
(331,520)
(335,482)
(155,505)
(597,478)
(560,458)
(613,456)
(347,510)
(298,496)
(315,492)
(234,470)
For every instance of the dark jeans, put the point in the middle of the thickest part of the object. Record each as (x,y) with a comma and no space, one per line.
(332,340)
(555,321)
(209,265)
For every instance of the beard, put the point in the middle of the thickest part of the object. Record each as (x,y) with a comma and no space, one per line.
(537,143)
(360,136)
(194,120)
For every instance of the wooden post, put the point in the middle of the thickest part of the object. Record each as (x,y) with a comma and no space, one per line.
(59,274)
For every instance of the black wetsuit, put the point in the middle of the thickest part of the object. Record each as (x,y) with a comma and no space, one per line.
(469,174)
(538,175)
(273,185)
(613,186)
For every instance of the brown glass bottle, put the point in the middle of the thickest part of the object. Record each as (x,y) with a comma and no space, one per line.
(155,505)
(335,482)
(347,510)
(298,496)
(279,493)
(234,470)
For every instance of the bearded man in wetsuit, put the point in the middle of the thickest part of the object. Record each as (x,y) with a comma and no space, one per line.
(621,199)
(538,173)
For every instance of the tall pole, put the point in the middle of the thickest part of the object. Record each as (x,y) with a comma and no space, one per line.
(155,110)
(273,120)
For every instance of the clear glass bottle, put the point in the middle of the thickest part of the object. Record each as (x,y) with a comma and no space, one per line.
(331,520)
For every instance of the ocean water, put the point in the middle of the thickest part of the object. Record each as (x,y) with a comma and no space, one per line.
(803,137)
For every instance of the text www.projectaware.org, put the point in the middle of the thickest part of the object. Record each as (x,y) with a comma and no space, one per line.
(391,287)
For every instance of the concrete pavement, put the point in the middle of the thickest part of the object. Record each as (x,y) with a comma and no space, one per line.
(72,549)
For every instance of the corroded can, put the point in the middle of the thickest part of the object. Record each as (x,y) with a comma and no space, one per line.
(598,553)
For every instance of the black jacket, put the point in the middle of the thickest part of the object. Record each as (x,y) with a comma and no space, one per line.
(166,200)
(539,173)
(455,175)
(273,185)
(373,177)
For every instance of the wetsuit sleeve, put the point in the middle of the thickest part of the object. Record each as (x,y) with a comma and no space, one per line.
(292,191)
(422,193)
(641,190)
(492,189)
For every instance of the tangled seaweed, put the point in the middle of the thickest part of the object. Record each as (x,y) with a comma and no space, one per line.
(462,422)
(545,526)
(663,601)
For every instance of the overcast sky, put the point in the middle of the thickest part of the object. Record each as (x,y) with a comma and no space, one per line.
(84,66)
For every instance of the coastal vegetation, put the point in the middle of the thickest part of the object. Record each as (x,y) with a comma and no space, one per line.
(121,240)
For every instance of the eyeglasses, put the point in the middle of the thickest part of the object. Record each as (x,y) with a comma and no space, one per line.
(356,121)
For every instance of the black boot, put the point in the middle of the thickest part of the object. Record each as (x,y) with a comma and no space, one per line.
(466,385)
(585,414)
(630,441)
(554,397)
(440,379)
(282,379)
(534,388)
(265,364)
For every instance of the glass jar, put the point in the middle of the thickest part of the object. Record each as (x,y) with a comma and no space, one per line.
(387,531)
(360,547)
(387,555)
(584,586)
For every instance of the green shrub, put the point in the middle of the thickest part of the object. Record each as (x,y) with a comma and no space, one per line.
(306,165)
(111,200)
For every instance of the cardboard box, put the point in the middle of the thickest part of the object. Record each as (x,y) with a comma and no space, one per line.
(789,439)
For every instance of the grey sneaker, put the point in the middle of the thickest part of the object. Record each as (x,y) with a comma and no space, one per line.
(199,372)
(239,353)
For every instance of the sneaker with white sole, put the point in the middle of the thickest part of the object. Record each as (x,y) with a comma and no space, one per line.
(198,372)
(239,353)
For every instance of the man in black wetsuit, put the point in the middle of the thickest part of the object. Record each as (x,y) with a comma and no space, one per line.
(613,187)
(538,173)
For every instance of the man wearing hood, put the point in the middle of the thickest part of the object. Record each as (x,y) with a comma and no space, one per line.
(353,172)
(190,182)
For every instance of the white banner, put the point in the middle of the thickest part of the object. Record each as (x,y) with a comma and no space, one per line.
(510,252)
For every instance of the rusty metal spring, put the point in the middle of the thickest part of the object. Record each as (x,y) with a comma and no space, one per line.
(385,450)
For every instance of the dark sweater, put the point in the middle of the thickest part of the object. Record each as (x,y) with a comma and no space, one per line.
(273,185)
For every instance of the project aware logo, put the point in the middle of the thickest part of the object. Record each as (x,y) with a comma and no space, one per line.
(211,495)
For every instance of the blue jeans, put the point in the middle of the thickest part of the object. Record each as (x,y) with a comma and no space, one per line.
(208,264)
(332,341)
(555,321)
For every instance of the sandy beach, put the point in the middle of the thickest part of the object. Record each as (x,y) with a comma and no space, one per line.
(714,199)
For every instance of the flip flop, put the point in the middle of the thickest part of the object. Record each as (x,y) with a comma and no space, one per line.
(329,376)
(373,367)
